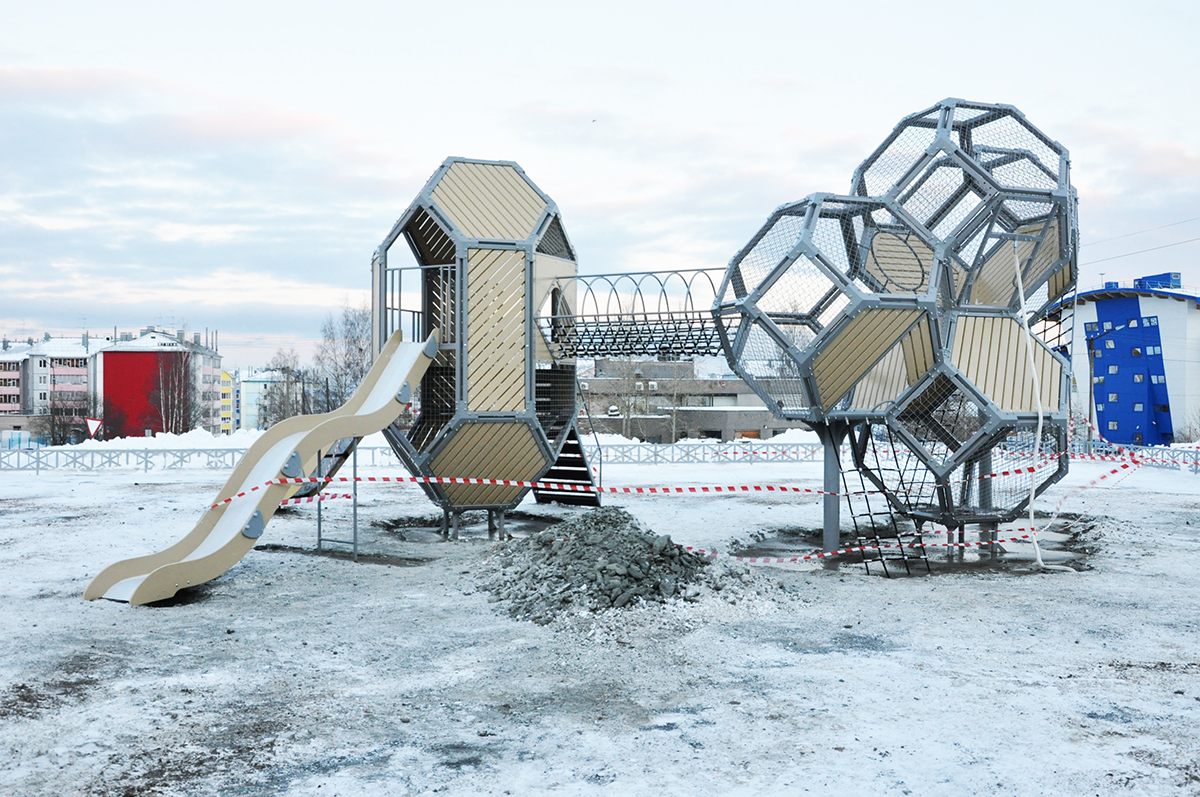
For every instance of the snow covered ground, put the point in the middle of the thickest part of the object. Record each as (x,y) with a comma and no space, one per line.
(300,674)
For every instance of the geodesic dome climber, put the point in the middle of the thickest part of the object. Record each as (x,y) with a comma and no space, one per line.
(917,314)
(495,403)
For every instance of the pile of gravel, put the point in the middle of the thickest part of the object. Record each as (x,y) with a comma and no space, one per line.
(599,560)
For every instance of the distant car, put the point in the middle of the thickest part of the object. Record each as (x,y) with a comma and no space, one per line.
(614,411)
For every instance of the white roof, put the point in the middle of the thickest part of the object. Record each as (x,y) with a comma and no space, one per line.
(15,353)
(67,347)
(156,340)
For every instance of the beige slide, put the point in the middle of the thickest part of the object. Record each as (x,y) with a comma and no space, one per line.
(288,449)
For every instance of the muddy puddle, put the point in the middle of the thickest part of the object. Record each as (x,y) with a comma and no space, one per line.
(1068,541)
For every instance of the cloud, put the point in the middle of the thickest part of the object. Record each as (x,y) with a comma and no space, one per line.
(106,201)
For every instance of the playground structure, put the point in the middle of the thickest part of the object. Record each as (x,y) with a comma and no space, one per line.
(496,403)
(917,315)
(914,316)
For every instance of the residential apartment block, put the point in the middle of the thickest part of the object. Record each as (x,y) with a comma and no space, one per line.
(157,382)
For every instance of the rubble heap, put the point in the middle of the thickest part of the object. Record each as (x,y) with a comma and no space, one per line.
(599,560)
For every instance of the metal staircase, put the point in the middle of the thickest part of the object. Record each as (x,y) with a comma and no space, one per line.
(571,467)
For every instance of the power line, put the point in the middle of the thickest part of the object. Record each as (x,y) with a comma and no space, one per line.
(1139,232)
(1139,252)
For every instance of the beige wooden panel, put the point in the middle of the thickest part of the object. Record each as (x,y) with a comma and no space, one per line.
(488,451)
(958,277)
(991,353)
(855,350)
(1060,282)
(883,383)
(918,351)
(546,270)
(496,330)
(1046,255)
(488,201)
(996,285)
(901,367)
(902,265)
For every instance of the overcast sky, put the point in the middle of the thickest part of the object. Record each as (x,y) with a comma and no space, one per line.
(232,166)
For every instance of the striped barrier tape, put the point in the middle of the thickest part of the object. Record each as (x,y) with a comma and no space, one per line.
(588,488)
(564,487)
(582,488)
(310,499)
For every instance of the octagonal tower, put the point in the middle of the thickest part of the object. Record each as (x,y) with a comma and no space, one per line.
(495,404)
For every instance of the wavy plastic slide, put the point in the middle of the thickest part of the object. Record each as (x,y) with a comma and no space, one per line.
(288,449)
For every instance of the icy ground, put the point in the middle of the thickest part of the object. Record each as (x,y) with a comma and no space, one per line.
(299,674)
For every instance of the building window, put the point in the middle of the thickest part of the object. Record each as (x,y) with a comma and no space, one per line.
(1099,408)
(1110,344)
(639,386)
(1154,350)
(1162,407)
(653,385)
(1136,351)
(1099,353)
(1139,377)
(41,396)
(1107,326)
(1138,406)
(1137,438)
(1112,426)
(1097,380)
(1112,396)
(1091,327)
(1158,379)
(1112,369)
(1150,321)
(1133,322)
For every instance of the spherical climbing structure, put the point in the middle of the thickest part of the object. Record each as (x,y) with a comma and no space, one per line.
(898,314)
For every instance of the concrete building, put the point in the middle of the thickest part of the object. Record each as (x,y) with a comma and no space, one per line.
(157,382)
(1140,344)
(662,402)
(44,387)
(231,416)
(12,360)
(254,382)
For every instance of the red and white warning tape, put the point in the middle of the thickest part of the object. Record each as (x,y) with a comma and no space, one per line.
(310,499)
(564,487)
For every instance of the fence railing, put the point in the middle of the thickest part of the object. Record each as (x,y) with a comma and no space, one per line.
(146,459)
(715,451)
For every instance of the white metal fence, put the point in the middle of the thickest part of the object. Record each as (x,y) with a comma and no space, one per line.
(740,451)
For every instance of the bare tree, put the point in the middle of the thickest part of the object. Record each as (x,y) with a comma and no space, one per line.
(343,356)
(284,397)
(1189,432)
(175,407)
(63,422)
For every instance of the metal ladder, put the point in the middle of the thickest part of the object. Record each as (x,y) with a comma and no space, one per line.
(874,517)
